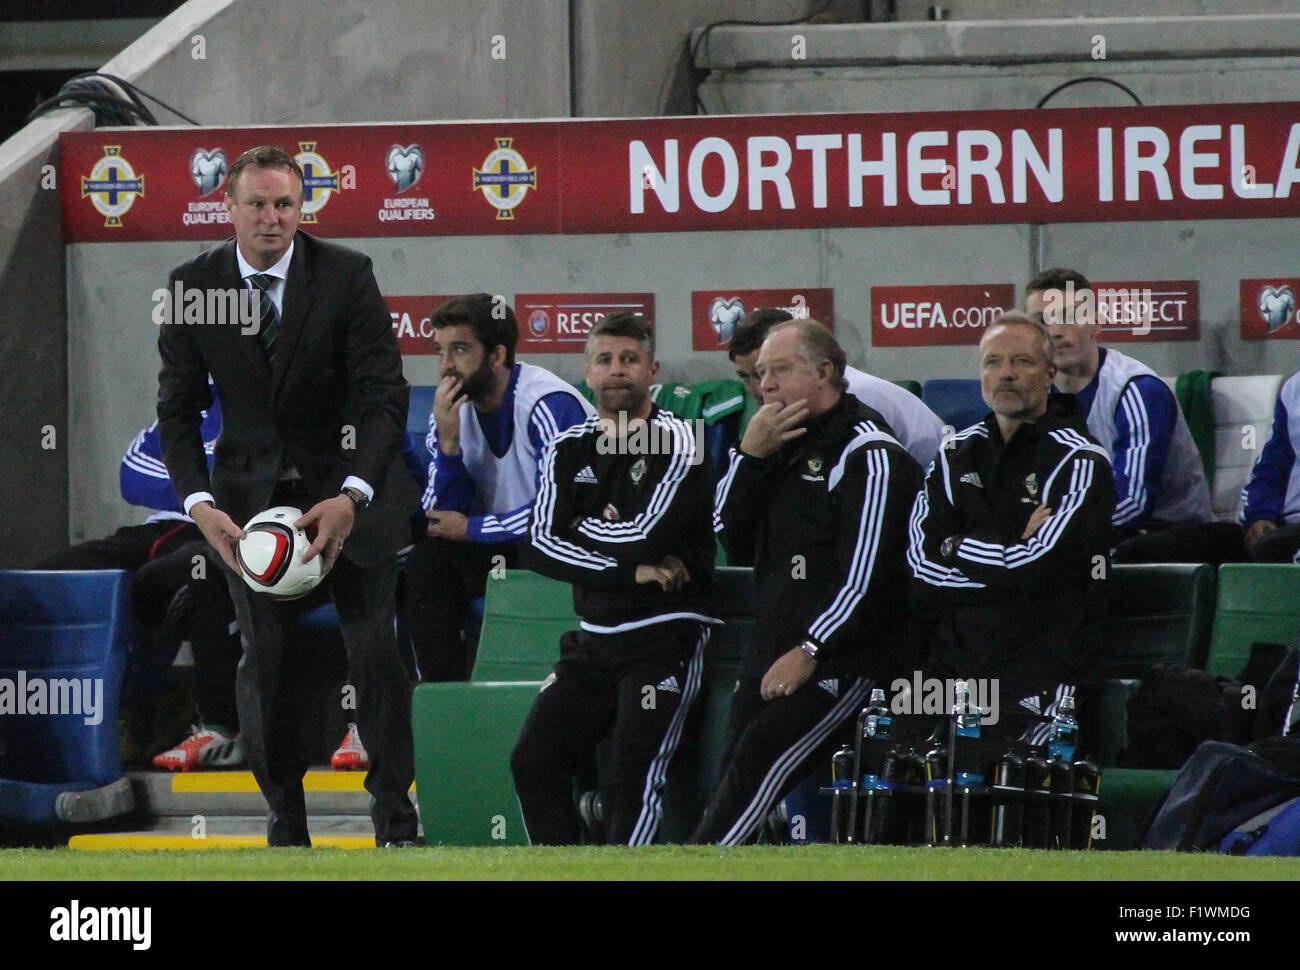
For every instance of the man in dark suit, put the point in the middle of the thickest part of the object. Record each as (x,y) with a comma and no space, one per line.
(314,408)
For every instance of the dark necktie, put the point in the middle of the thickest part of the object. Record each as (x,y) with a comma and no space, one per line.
(270,327)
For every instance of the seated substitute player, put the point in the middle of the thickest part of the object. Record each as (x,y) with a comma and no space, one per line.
(213,740)
(1009,539)
(1271,499)
(1162,511)
(817,498)
(917,427)
(623,513)
(160,556)
(491,420)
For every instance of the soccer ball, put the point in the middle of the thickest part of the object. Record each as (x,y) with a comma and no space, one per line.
(270,555)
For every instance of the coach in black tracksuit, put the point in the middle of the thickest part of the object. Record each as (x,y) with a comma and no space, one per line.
(625,518)
(817,498)
(1009,540)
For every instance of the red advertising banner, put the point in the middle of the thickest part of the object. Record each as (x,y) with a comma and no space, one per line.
(925,316)
(1148,311)
(411,322)
(1231,161)
(1268,310)
(558,323)
(715,313)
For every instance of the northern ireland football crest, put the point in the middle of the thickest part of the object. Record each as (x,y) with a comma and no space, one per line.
(815,464)
(318,182)
(112,186)
(504,179)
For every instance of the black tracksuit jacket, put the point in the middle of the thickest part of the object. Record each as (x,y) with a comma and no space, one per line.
(823,521)
(603,508)
(1022,611)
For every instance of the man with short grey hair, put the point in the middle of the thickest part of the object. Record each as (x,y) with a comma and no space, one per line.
(1009,539)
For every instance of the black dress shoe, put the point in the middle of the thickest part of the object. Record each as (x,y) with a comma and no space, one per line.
(281,832)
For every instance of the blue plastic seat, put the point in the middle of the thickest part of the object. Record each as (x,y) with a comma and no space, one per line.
(417,416)
(958,402)
(64,639)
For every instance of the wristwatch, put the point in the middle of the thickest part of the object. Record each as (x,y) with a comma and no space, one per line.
(358,497)
(810,648)
(949,546)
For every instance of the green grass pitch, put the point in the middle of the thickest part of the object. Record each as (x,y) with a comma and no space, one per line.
(657,862)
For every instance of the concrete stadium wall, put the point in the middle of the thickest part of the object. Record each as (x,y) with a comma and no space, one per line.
(34,444)
(286,61)
(628,64)
(1070,9)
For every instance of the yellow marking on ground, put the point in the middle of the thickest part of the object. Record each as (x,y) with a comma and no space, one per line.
(228,782)
(109,841)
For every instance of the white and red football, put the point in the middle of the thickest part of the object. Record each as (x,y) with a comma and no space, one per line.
(270,555)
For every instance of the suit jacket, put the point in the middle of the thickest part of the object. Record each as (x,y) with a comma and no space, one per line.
(334,404)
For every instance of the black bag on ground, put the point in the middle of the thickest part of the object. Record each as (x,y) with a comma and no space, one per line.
(1173,710)
(1221,786)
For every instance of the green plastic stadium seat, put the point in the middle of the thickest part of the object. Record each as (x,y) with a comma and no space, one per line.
(1127,800)
(1255,603)
(464,733)
(1159,614)
(1258,602)
(523,617)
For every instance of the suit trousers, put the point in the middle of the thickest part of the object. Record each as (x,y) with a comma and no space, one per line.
(271,710)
